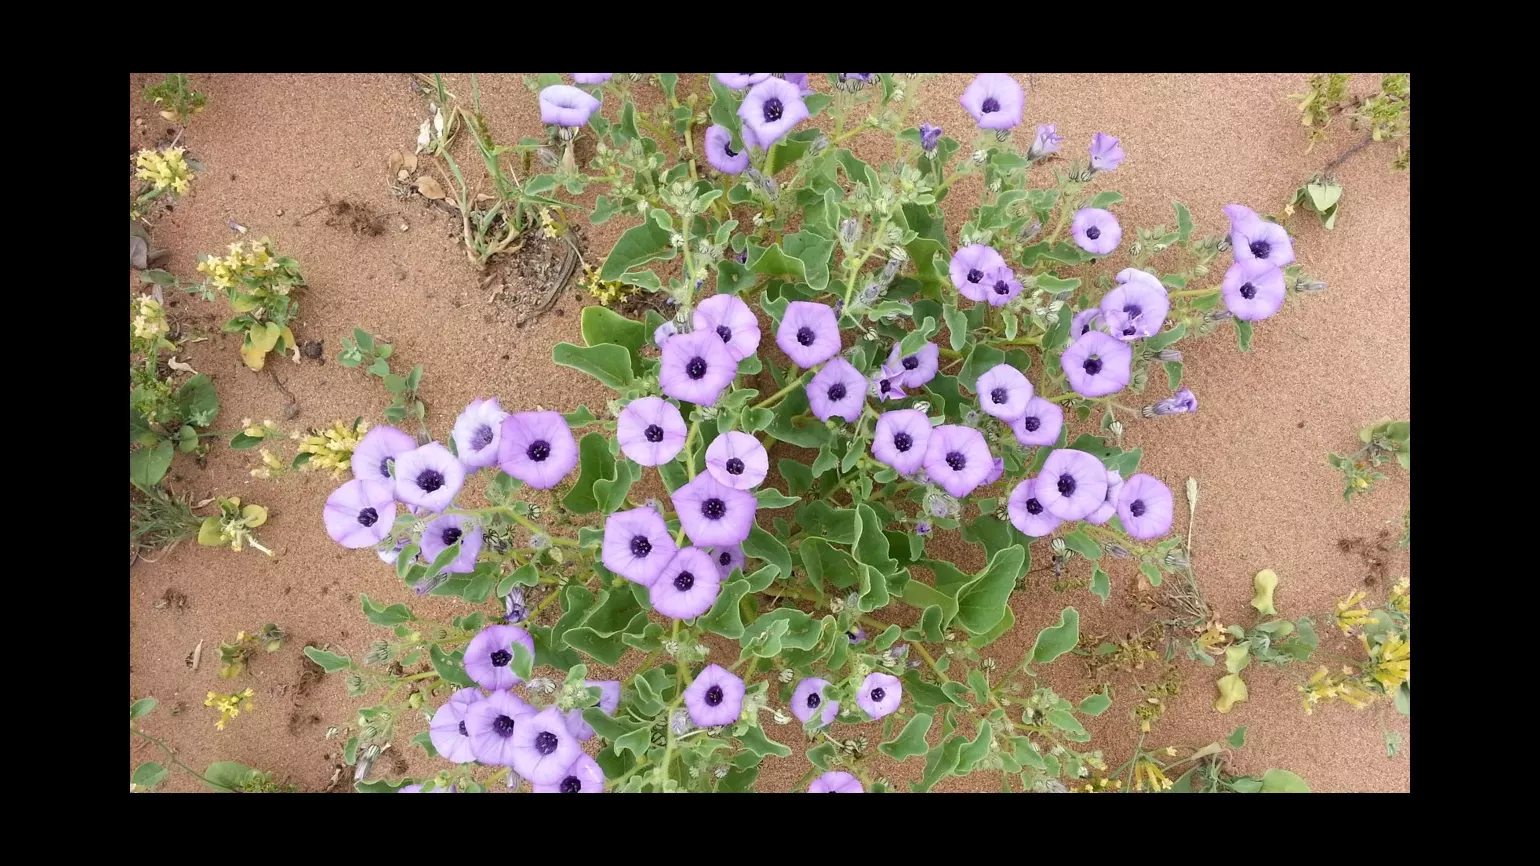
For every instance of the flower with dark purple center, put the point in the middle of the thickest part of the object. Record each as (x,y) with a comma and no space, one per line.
(1071,485)
(1253,289)
(564,105)
(637,545)
(1096,231)
(375,457)
(839,390)
(1109,506)
(880,694)
(737,460)
(958,459)
(715,697)
(477,433)
(491,723)
(1097,365)
(1145,507)
(1106,152)
(543,748)
(809,333)
(995,100)
(720,153)
(1085,321)
(714,514)
(732,321)
(489,653)
(429,477)
(1001,287)
(688,587)
(1137,307)
(901,440)
(445,531)
(969,267)
(727,558)
(1027,512)
(448,731)
(1003,392)
(807,700)
(771,108)
(537,448)
(650,431)
(1039,424)
(360,513)
(887,383)
(585,776)
(1255,238)
(920,367)
(696,367)
(800,80)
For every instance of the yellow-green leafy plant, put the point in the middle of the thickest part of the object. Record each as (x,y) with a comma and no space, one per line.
(163,417)
(233,525)
(176,98)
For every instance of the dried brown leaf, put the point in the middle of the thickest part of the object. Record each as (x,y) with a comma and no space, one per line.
(430,187)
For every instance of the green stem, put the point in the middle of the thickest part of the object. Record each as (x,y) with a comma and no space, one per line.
(1194,293)
(791,386)
(175,761)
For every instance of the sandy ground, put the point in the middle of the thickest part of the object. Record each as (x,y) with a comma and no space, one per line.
(273,145)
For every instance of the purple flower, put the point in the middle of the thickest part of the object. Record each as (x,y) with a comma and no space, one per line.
(696,367)
(901,440)
(809,333)
(543,748)
(929,135)
(715,698)
(688,587)
(1097,365)
(880,694)
(650,431)
(488,654)
(583,777)
(1252,288)
(920,367)
(996,470)
(836,782)
(1047,141)
(923,528)
(1096,231)
(727,558)
(477,431)
(720,153)
(1003,392)
(360,513)
(1180,403)
(970,265)
(445,531)
(1085,320)
(563,105)
(1106,152)
(1071,485)
(1040,423)
(1145,507)
(808,701)
(737,460)
(799,79)
(995,100)
(887,383)
(1137,308)
(537,448)
(661,333)
(740,80)
(1109,506)
(417,789)
(591,77)
(1256,238)
(1028,514)
(1001,287)
(637,545)
(429,477)
(730,318)
(856,634)
(839,389)
(609,699)
(771,109)
(448,731)
(376,454)
(957,458)
(491,723)
(713,513)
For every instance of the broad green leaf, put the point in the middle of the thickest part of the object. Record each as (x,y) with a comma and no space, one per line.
(922,595)
(609,363)
(982,604)
(1083,544)
(957,326)
(1237,657)
(1265,583)
(594,463)
(1283,782)
(911,741)
(769,497)
(330,662)
(198,401)
(975,751)
(1183,221)
(1243,334)
(1232,690)
(1237,738)
(1062,720)
(1101,585)
(644,243)
(450,666)
(392,615)
(227,775)
(149,774)
(1005,624)
(725,617)
(602,325)
(764,546)
(147,466)
(1106,199)
(523,662)
(1095,705)
(755,741)
(141,708)
(1058,639)
(824,561)
(774,261)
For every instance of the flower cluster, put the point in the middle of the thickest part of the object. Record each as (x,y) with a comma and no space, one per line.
(165,169)
(229,706)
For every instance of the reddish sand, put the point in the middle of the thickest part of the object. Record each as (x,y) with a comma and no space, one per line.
(273,145)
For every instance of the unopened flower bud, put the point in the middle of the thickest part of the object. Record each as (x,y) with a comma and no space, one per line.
(1118,550)
(850,231)
(1169,355)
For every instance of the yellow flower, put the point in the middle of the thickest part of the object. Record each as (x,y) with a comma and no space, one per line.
(1147,769)
(1351,614)
(1322,688)
(1401,596)
(229,706)
(1392,662)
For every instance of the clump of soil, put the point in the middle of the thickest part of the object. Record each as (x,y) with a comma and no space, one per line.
(1373,554)
(531,280)
(172,598)
(361,218)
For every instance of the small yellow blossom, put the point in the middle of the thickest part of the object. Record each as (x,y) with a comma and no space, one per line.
(606,293)
(164,169)
(1351,614)
(1323,688)
(150,319)
(1392,662)
(333,447)
(1145,769)
(1401,596)
(229,706)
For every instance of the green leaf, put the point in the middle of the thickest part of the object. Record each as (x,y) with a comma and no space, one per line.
(330,662)
(769,497)
(823,562)
(595,463)
(1101,585)
(242,442)
(1243,334)
(523,663)
(1005,624)
(392,615)
(141,708)
(602,325)
(609,363)
(911,741)
(956,325)
(147,466)
(227,775)
(764,546)
(1106,199)
(638,246)
(610,493)
(149,774)
(1264,584)
(1095,705)
(599,636)
(774,261)
(1283,782)
(975,751)
(1237,738)
(1083,544)
(197,400)
(450,666)
(725,617)
(1056,640)
(981,605)
(1183,221)
(940,762)
(922,595)
(1062,720)
(755,741)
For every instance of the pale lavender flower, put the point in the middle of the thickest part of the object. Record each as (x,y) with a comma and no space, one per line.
(1027,512)
(800,80)
(856,634)
(490,652)
(429,477)
(637,545)
(729,318)
(771,109)
(1253,289)
(969,267)
(448,733)
(1096,231)
(478,432)
(543,748)
(1003,392)
(537,448)
(1106,152)
(1072,484)
(714,514)
(929,136)
(564,105)
(650,431)
(996,470)
(715,697)
(808,700)
(920,367)
(1047,141)
(1001,287)
(375,457)
(836,782)
(591,77)
(1109,506)
(741,80)
(995,100)
(1085,320)
(887,383)
(688,587)
(1255,238)
(1137,307)
(737,460)
(609,699)
(360,513)
(958,459)
(880,694)
(585,776)
(727,558)
(1145,507)
(809,333)
(720,153)
(901,439)
(491,723)
(661,333)
(839,389)
(696,367)
(445,531)
(1040,424)
(1097,365)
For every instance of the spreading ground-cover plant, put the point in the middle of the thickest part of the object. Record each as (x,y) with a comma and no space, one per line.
(1384,115)
(163,416)
(1382,442)
(921,380)
(224,776)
